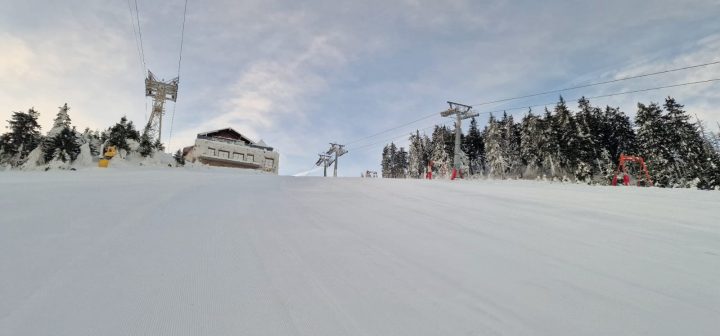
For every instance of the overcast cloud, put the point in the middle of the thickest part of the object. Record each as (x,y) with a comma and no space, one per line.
(300,74)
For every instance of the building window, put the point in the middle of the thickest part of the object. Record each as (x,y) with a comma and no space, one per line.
(238,156)
(251,157)
(211,151)
(269,163)
(224,154)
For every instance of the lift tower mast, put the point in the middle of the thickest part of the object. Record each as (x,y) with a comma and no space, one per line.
(338,150)
(461,112)
(160,91)
(324,160)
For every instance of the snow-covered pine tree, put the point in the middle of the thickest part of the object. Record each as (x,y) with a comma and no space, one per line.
(400,163)
(715,140)
(61,121)
(652,141)
(4,142)
(588,163)
(392,156)
(449,136)
(63,146)
(439,154)
(511,146)
(23,137)
(550,156)
(530,145)
(565,129)
(415,156)
(691,160)
(474,148)
(146,145)
(92,138)
(158,146)
(427,152)
(179,158)
(617,133)
(119,134)
(61,142)
(494,152)
(385,164)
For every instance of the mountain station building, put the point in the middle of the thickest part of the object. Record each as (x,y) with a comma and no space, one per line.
(228,148)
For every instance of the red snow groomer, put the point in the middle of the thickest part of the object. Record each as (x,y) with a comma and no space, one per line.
(622,168)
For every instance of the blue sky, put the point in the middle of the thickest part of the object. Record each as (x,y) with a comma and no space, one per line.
(301,74)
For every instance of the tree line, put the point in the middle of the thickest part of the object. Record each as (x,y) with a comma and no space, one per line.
(63,144)
(561,144)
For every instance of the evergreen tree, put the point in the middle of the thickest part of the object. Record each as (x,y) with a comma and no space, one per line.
(474,147)
(427,151)
(550,156)
(416,164)
(62,121)
(93,141)
(179,158)
(400,163)
(63,146)
(386,163)
(690,158)
(565,132)
(119,134)
(4,142)
(496,160)
(530,145)
(616,134)
(439,154)
(146,146)
(158,146)
(588,163)
(652,140)
(449,136)
(510,145)
(61,142)
(23,137)
(392,154)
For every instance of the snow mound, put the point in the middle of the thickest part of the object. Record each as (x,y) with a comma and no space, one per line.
(85,159)
(35,160)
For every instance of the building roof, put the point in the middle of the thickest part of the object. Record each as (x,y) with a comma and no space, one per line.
(228,133)
(231,135)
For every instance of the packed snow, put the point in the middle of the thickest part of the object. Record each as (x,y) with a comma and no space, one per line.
(199,251)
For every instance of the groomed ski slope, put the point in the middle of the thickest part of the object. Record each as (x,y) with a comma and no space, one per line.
(215,252)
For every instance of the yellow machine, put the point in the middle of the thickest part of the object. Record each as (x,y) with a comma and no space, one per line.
(110,152)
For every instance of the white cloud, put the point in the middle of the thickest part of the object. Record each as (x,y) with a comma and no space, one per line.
(91,77)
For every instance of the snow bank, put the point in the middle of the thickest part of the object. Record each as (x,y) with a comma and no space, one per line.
(85,158)
(35,160)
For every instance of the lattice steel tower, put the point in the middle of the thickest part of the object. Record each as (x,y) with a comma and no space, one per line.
(160,91)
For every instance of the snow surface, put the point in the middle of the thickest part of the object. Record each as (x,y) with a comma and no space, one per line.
(217,252)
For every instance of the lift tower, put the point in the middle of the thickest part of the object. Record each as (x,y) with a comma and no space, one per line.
(324,160)
(160,91)
(338,150)
(461,112)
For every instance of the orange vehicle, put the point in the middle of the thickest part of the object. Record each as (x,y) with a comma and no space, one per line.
(622,167)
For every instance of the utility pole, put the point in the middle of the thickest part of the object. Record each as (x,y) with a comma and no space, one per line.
(324,161)
(160,91)
(338,150)
(461,112)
